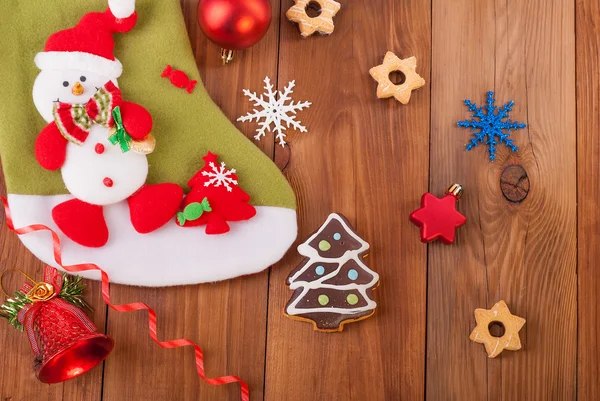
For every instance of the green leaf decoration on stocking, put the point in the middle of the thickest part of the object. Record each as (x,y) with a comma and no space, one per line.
(193,211)
(120,135)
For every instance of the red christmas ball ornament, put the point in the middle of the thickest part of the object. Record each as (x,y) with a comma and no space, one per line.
(438,218)
(234,24)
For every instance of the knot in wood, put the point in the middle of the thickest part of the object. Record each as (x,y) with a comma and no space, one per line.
(514,183)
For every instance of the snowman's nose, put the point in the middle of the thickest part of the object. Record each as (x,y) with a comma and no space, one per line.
(77,89)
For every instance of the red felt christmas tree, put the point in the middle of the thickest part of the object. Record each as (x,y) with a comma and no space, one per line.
(215,198)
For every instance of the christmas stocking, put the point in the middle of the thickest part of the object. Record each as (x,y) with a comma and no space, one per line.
(139,174)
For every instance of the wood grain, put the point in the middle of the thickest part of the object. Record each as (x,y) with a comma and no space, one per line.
(357,160)
(588,195)
(371,160)
(228,320)
(525,254)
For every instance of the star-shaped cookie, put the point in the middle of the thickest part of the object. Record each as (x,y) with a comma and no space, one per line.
(437,218)
(323,23)
(498,314)
(386,87)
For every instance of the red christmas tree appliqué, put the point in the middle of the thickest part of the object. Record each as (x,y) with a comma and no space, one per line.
(215,198)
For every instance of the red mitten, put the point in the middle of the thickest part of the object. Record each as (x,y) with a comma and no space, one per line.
(51,148)
(136,119)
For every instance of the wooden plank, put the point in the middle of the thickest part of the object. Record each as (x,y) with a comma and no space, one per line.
(17,377)
(588,194)
(367,159)
(230,330)
(522,253)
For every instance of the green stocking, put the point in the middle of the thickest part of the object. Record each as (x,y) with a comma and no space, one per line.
(186,127)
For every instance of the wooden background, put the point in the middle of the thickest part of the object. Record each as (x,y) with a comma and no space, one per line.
(371,160)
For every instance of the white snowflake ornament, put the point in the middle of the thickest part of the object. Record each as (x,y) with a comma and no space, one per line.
(220,176)
(275,111)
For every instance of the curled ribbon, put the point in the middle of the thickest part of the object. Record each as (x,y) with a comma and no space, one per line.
(134,306)
(120,135)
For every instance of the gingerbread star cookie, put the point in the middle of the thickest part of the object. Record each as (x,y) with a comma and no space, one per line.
(386,87)
(511,323)
(323,23)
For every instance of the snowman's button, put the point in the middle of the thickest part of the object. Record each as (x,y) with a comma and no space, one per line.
(108,182)
(99,148)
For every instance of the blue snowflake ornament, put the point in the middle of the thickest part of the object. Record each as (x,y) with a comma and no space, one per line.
(490,124)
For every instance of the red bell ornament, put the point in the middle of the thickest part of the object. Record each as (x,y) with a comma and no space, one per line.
(234,24)
(64,340)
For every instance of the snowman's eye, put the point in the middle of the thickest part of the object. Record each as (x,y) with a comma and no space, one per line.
(65,84)
(82,78)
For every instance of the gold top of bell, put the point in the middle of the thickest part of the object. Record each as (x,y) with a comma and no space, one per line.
(456,190)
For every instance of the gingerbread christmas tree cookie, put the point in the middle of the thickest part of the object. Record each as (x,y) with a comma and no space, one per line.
(499,314)
(322,23)
(402,91)
(332,286)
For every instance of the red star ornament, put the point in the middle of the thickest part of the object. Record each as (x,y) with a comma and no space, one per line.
(438,218)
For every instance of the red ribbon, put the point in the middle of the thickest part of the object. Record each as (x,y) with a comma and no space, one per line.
(51,276)
(134,306)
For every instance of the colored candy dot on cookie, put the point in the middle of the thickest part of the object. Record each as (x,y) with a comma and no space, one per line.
(320,270)
(352,299)
(337,236)
(324,299)
(352,274)
(324,245)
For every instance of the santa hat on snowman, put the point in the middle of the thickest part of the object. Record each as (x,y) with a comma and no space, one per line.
(89,45)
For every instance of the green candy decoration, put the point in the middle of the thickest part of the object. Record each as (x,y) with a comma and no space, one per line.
(324,245)
(193,211)
(352,299)
(323,299)
(120,135)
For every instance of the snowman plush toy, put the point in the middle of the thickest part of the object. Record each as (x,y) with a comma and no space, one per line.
(154,185)
(98,140)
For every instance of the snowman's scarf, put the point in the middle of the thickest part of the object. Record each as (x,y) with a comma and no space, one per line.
(74,121)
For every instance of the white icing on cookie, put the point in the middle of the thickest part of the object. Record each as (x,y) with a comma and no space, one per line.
(314,257)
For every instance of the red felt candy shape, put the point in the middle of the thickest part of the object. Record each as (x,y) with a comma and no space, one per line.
(179,79)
